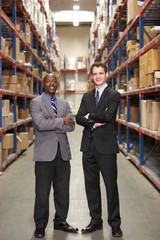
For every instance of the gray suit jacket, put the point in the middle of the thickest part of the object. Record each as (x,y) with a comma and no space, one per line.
(48,132)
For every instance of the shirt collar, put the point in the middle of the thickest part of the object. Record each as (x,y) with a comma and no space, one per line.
(100,90)
(49,97)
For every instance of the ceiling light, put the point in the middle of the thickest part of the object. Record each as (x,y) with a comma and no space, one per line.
(76,7)
(76,0)
(76,23)
(70,16)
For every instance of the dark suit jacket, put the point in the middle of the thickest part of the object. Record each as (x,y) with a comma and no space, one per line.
(105,137)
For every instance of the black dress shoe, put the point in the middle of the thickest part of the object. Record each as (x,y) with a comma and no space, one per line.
(117,232)
(92,227)
(64,226)
(39,232)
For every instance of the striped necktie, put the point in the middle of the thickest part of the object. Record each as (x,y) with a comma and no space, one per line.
(54,107)
(97,98)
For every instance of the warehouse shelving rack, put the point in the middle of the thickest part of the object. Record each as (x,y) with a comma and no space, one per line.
(76,74)
(64,71)
(148,6)
(12,63)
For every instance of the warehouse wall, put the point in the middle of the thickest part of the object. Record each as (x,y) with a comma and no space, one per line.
(74,43)
(73,40)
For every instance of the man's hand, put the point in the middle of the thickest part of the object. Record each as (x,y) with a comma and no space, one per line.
(99,124)
(69,121)
(47,116)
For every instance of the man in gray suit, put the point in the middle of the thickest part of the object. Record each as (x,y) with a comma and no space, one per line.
(52,118)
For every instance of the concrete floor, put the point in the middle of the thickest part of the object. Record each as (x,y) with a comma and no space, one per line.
(139,200)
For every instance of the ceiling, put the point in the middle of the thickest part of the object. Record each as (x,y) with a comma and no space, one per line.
(62,5)
(67,5)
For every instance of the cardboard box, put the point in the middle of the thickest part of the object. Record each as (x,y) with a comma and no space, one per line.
(3,44)
(146,106)
(21,113)
(9,79)
(81,62)
(36,71)
(123,116)
(44,74)
(5,107)
(9,47)
(21,57)
(22,140)
(28,57)
(31,133)
(134,114)
(21,77)
(7,141)
(10,87)
(149,80)
(6,103)
(132,8)
(156,76)
(148,30)
(5,154)
(7,120)
(154,116)
(142,71)
(152,61)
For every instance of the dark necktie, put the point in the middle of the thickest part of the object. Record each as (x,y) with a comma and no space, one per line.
(97,98)
(54,107)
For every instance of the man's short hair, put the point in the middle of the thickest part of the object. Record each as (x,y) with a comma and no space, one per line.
(98,64)
(49,74)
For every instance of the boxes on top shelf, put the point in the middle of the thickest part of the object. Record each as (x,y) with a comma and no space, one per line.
(132,8)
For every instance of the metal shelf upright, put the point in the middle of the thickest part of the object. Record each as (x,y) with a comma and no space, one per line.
(10,30)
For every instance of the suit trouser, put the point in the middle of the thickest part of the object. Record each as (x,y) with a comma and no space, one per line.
(93,164)
(56,172)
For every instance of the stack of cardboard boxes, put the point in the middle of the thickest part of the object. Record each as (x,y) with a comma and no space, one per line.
(19,83)
(149,71)
(7,115)
(134,81)
(150,114)
(132,47)
(134,112)
(123,82)
(7,145)
(22,142)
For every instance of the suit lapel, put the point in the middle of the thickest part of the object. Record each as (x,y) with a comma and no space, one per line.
(92,100)
(47,105)
(59,107)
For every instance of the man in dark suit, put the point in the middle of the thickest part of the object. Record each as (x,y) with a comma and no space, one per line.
(97,114)
(52,118)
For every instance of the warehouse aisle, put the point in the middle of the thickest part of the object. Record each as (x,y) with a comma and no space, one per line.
(140,202)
